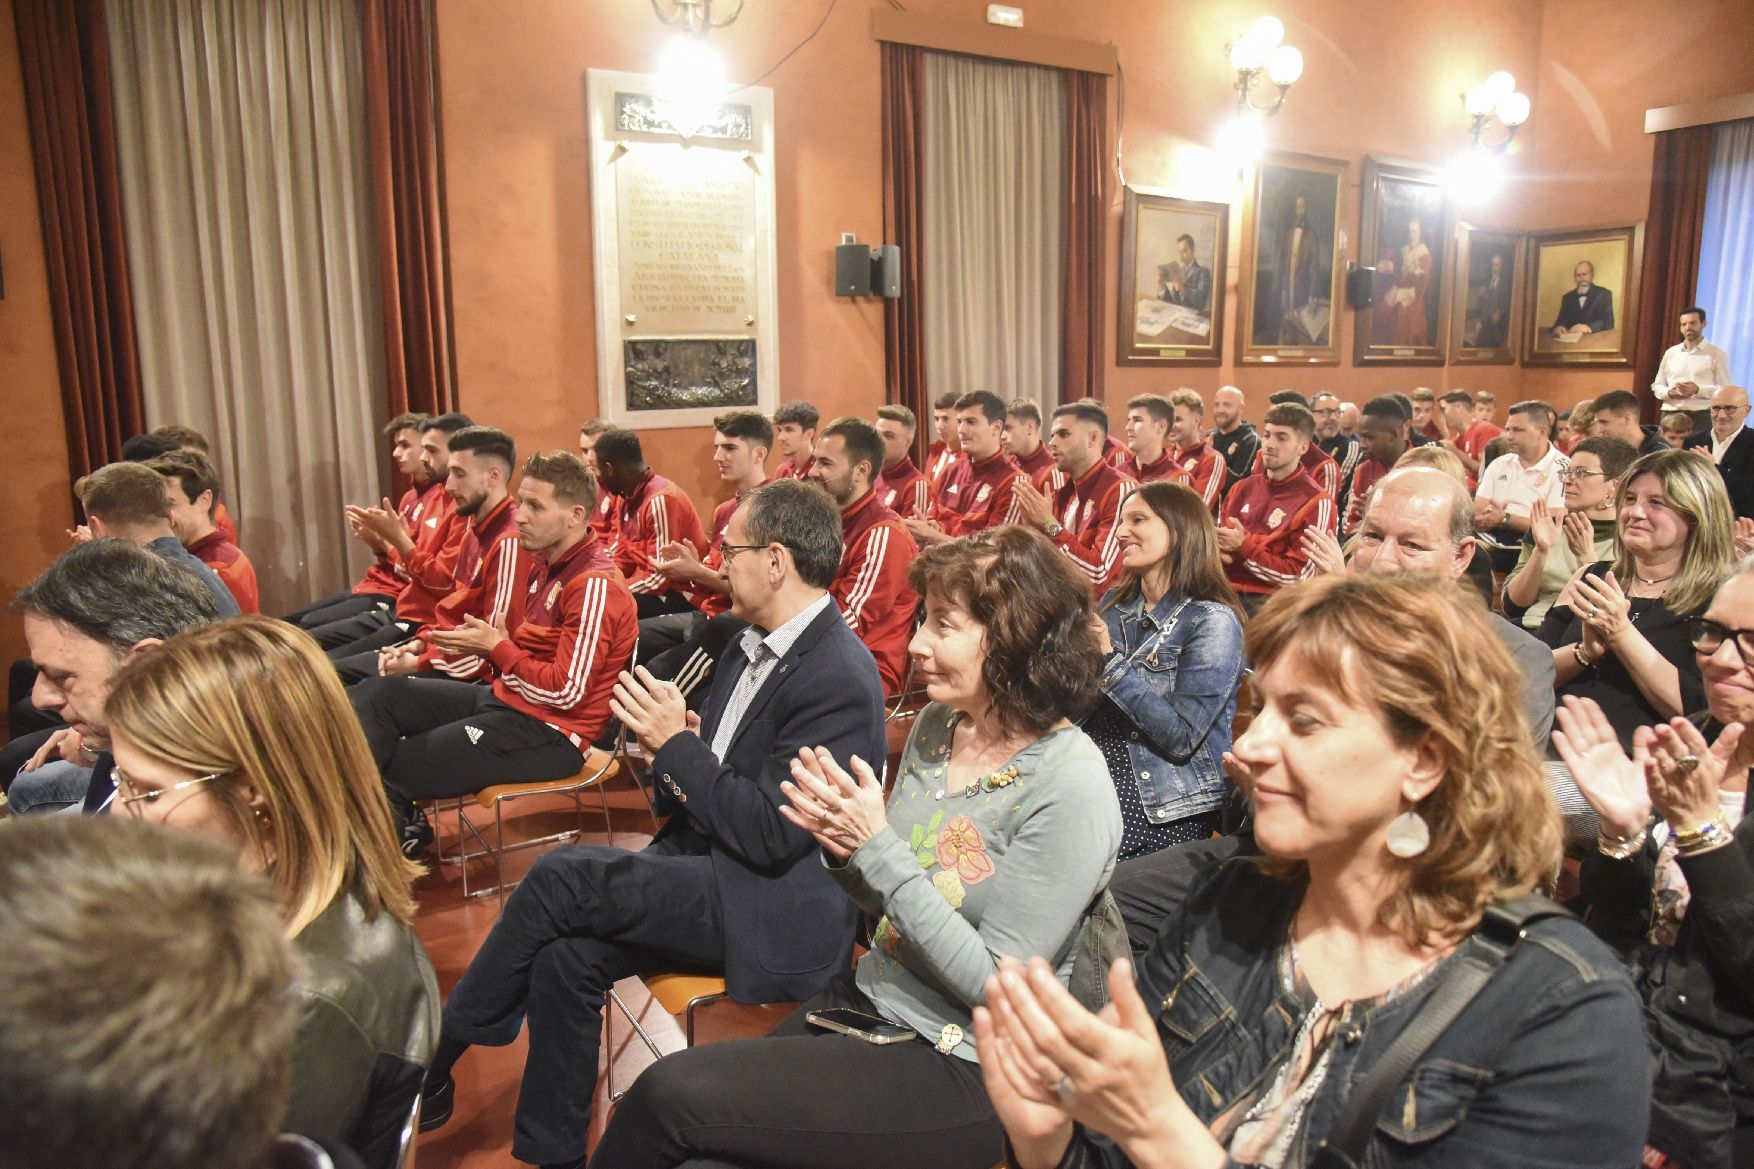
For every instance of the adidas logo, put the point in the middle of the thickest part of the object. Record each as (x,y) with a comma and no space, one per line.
(474,734)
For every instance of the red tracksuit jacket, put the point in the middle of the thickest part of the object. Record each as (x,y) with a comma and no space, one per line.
(871,587)
(904,489)
(491,566)
(1274,516)
(977,496)
(1087,509)
(655,513)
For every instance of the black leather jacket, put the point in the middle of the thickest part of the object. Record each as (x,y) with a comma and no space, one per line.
(371,1017)
(1698,995)
(1545,1067)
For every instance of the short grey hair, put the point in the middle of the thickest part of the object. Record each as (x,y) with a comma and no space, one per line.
(118,593)
(147,1013)
(804,519)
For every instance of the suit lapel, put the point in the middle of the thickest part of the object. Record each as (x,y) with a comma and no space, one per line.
(781,671)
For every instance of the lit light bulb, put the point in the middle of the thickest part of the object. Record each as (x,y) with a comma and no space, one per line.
(1285,65)
(1513,110)
(1267,32)
(1246,53)
(1500,84)
(691,80)
(1474,177)
(1241,140)
(1478,102)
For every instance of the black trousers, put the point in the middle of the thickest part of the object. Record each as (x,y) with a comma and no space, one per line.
(691,664)
(585,917)
(1147,888)
(337,606)
(655,604)
(437,737)
(666,631)
(804,1098)
(359,627)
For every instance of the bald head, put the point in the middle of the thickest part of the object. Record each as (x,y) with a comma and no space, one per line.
(1729,411)
(1418,519)
(1227,408)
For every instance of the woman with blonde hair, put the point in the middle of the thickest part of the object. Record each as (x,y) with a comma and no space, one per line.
(241,731)
(1619,628)
(1404,822)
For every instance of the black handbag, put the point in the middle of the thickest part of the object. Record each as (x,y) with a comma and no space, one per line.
(1488,948)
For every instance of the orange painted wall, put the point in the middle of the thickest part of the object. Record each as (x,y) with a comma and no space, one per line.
(33,525)
(1381,78)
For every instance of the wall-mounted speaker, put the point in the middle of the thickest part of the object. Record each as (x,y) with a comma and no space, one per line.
(1361,288)
(886,271)
(852,270)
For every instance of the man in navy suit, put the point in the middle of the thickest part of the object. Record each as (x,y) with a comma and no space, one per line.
(1730,444)
(728,885)
(1588,308)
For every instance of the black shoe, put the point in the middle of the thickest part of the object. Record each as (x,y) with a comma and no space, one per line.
(436,1102)
(417,836)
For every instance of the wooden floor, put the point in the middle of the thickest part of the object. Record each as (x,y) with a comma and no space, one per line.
(452,928)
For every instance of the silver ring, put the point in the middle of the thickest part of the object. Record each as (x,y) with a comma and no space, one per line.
(1589,613)
(1687,764)
(1063,1089)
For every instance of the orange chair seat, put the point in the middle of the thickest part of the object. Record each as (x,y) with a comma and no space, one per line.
(595,761)
(674,992)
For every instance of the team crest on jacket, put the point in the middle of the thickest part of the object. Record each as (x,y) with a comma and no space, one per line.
(1088,505)
(1276,517)
(982,493)
(554,593)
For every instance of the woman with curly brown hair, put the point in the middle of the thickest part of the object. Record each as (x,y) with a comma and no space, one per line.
(997,840)
(1397,799)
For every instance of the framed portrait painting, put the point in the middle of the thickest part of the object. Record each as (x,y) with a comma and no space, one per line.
(1404,233)
(1486,304)
(1172,280)
(1290,281)
(1581,303)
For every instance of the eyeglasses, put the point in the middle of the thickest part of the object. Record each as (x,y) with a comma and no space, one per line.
(1726,409)
(1571,473)
(127,797)
(727,551)
(1707,636)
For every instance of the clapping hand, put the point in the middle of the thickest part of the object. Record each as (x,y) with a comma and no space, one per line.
(652,710)
(1744,537)
(474,636)
(1545,525)
(1033,505)
(1580,535)
(680,560)
(1047,1062)
(381,524)
(1683,774)
(841,811)
(1324,551)
(1614,785)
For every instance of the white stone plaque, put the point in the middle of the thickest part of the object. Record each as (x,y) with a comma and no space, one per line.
(684,256)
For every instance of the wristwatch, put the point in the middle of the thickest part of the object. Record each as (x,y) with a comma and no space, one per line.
(1708,835)
(1053,529)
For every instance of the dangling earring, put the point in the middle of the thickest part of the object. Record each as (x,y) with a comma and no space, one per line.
(1409,835)
(263,818)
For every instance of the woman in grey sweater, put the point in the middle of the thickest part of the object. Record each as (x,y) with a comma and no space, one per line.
(998,838)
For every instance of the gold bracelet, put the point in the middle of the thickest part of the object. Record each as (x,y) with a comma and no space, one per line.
(1709,835)
(1618,848)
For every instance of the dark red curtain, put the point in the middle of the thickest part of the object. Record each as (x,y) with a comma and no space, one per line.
(904,319)
(1672,230)
(64,51)
(401,111)
(1081,354)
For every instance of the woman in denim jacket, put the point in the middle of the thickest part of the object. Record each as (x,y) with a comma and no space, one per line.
(1396,796)
(1172,633)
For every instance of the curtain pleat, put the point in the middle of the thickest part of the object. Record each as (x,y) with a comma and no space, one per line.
(1672,229)
(419,374)
(994,138)
(1726,253)
(904,355)
(247,195)
(1086,221)
(64,53)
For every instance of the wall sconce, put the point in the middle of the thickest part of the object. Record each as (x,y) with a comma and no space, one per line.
(694,16)
(1495,100)
(1260,54)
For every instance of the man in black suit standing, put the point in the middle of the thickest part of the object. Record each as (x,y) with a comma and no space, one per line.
(1589,308)
(728,884)
(1493,305)
(1730,444)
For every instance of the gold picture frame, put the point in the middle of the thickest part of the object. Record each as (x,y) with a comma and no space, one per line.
(1487,302)
(1288,290)
(1604,326)
(1404,233)
(1173,257)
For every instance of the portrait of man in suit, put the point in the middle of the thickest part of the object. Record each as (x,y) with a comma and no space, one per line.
(1490,303)
(1185,281)
(1301,322)
(1588,308)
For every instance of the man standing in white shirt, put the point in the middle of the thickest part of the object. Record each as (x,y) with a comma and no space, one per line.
(1692,371)
(1511,483)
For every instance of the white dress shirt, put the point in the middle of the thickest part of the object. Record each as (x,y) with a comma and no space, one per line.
(1705,365)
